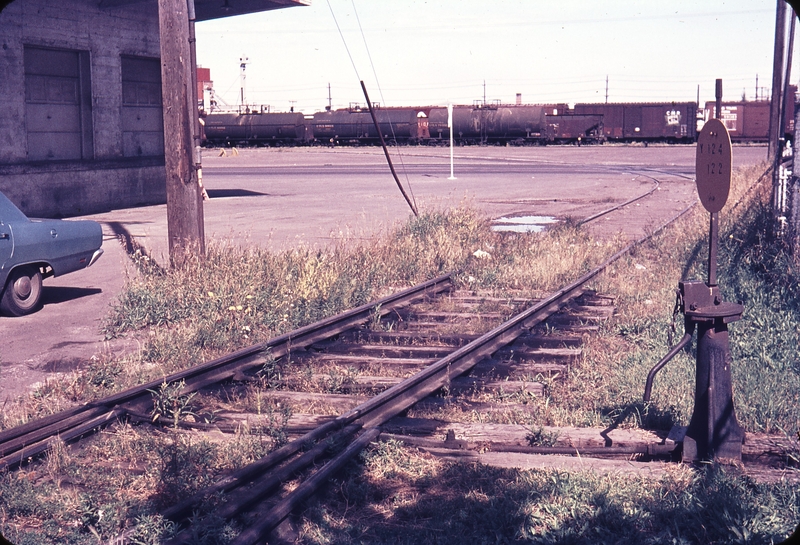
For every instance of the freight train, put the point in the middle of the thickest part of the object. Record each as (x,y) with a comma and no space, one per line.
(670,122)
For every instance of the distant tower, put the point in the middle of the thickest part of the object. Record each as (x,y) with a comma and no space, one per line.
(243,60)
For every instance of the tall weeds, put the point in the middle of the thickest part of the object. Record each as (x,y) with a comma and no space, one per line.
(237,296)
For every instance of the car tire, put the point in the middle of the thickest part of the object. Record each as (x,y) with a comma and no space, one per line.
(23,293)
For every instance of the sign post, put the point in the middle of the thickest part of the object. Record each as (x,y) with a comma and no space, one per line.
(450,126)
(714,161)
(713,432)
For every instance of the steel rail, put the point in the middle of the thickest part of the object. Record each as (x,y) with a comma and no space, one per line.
(656,185)
(393,401)
(66,423)
(308,488)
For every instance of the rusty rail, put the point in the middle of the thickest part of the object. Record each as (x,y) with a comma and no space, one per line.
(371,414)
(22,443)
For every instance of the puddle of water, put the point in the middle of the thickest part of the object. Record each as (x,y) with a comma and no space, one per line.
(523,224)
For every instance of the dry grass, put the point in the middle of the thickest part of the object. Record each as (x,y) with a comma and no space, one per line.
(238,296)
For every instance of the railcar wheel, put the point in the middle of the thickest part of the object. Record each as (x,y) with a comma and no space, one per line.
(23,292)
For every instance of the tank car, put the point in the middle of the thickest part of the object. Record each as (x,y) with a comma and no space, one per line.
(267,128)
(489,124)
(355,126)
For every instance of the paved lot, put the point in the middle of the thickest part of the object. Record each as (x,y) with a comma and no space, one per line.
(282,198)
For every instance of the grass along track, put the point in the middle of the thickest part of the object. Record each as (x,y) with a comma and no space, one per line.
(257,421)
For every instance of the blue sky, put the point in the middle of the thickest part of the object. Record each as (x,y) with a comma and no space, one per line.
(421,52)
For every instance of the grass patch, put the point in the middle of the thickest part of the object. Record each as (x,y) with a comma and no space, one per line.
(239,296)
(393,496)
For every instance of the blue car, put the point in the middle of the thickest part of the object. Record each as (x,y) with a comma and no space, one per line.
(34,249)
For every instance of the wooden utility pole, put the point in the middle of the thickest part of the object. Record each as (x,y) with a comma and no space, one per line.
(777,79)
(181,150)
(793,184)
(793,190)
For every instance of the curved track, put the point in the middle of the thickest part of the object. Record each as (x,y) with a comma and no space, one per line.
(328,446)
(350,431)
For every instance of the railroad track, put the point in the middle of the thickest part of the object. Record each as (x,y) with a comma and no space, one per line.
(424,341)
(373,372)
(411,340)
(355,427)
(26,442)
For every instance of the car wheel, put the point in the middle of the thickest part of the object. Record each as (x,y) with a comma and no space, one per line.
(23,291)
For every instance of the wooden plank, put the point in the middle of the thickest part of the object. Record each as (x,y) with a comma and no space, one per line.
(298,423)
(347,383)
(514,460)
(522,369)
(309,399)
(368,360)
(387,350)
(478,299)
(553,353)
(444,316)
(603,312)
(548,341)
(517,434)
(514,369)
(457,339)
(461,384)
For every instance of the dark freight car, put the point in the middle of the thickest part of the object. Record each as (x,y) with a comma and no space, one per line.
(667,122)
(266,128)
(489,124)
(355,126)
(749,121)
(745,121)
(574,128)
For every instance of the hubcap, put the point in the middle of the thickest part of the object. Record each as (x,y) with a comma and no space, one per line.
(22,287)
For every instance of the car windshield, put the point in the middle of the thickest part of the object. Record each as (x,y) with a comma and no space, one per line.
(9,212)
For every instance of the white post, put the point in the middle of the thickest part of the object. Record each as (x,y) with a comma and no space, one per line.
(450,125)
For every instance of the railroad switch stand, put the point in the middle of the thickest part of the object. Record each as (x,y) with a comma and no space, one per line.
(713,432)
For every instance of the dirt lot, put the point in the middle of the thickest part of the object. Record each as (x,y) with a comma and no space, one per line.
(280,198)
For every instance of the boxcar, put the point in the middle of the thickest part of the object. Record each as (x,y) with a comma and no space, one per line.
(668,122)
(748,121)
